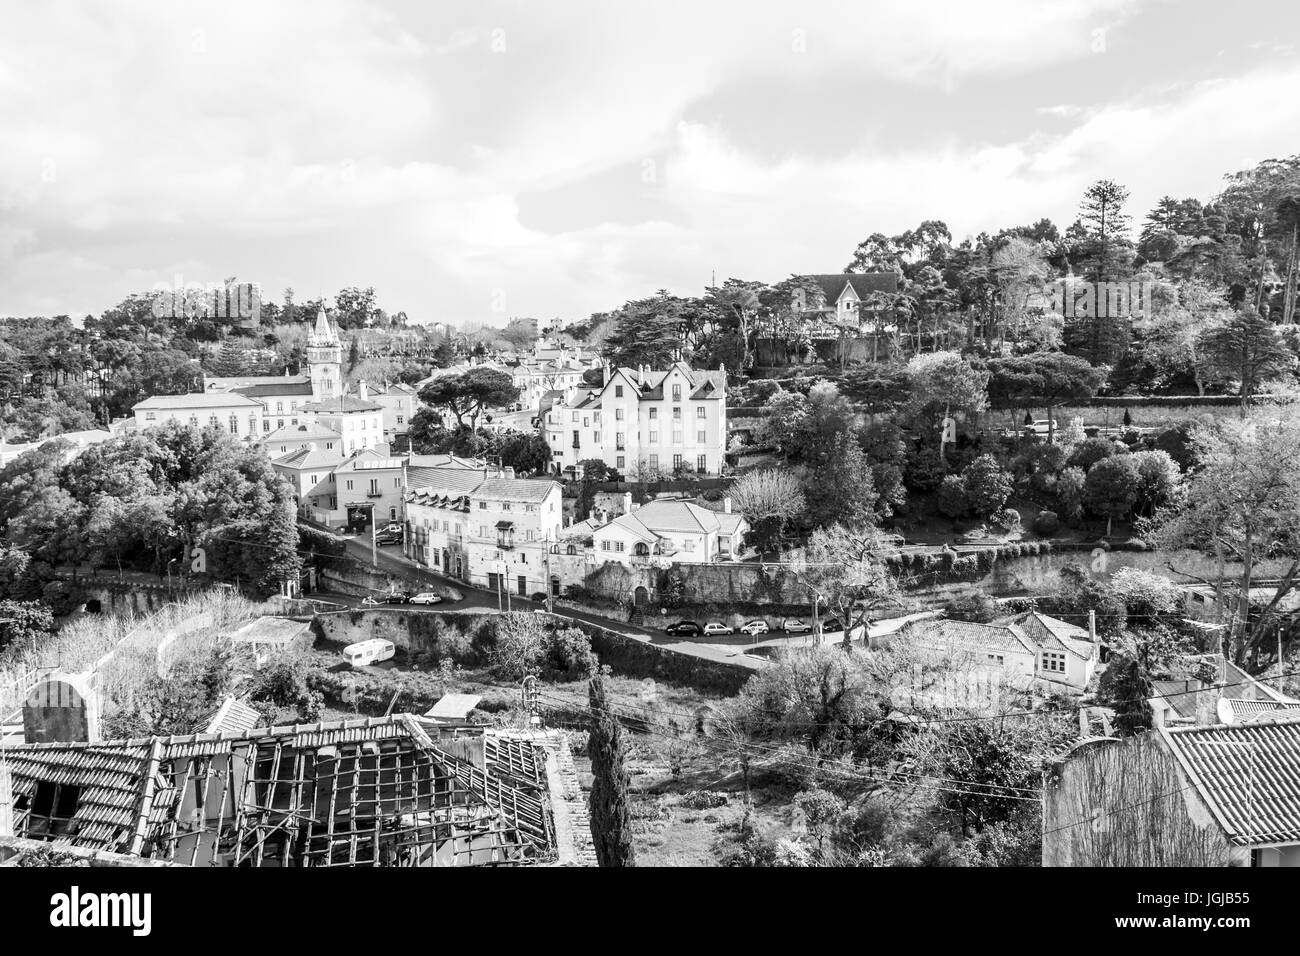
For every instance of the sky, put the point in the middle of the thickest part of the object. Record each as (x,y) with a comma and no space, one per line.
(479,161)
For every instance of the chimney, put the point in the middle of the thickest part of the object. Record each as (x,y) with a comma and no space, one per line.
(508,471)
(640,375)
(1092,623)
(362,392)
(726,505)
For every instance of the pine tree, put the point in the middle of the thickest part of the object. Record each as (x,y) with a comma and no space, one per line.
(231,360)
(611,818)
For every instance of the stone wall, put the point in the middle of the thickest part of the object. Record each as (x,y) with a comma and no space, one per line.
(358,580)
(627,656)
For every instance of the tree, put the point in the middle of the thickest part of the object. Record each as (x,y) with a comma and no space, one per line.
(951,497)
(986,485)
(1243,501)
(649,332)
(817,695)
(25,624)
(1069,491)
(1052,378)
(769,499)
(1248,349)
(1106,246)
(1159,481)
(611,817)
(1111,488)
(844,567)
(784,423)
(841,489)
(469,394)
(519,645)
(520,333)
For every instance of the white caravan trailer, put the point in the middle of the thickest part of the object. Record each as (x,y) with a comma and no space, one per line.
(368,652)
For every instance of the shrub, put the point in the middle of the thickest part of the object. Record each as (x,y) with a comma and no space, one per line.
(1047,524)
(704,800)
(1007,518)
(978,608)
(951,497)
(1090,451)
(987,486)
(1069,491)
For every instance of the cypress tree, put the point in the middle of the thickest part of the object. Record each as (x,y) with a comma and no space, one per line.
(611,818)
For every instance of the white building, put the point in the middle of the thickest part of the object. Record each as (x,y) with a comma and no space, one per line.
(79,441)
(670,531)
(398,403)
(549,369)
(291,438)
(252,407)
(493,532)
(643,423)
(235,413)
(358,422)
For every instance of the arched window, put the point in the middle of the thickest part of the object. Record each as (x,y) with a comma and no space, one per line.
(234,424)
(641,550)
(571,549)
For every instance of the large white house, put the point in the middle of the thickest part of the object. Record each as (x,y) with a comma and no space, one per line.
(237,414)
(680,532)
(644,423)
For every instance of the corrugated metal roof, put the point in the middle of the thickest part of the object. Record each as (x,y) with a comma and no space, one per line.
(1248,775)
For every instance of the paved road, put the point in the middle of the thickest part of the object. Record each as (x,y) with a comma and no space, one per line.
(390,559)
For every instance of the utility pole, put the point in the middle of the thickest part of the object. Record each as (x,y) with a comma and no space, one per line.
(374,549)
(550,598)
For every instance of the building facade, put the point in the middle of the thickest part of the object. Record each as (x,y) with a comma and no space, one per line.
(644,424)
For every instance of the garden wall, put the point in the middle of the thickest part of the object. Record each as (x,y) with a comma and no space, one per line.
(355,579)
(627,656)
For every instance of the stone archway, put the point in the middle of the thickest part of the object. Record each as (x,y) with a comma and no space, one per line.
(641,596)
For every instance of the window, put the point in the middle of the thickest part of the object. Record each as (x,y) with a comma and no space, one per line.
(677,393)
(654,460)
(654,438)
(482,533)
(400,419)
(374,486)
(397,482)
(279,408)
(702,463)
(618,462)
(689,544)
(234,424)
(505,506)
(530,507)
(701,437)
(482,506)
(595,436)
(194,421)
(349,484)
(1053,662)
(618,391)
(571,549)
(618,546)
(677,413)
(149,416)
(279,423)
(677,436)
(677,462)
(604,546)
(654,414)
(575,416)
(620,440)
(618,414)
(699,412)
(212,421)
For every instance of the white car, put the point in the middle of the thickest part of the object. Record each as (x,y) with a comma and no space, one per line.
(793,626)
(713,627)
(426,597)
(754,628)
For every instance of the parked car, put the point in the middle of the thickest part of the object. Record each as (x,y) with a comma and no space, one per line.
(717,627)
(793,625)
(397,597)
(684,628)
(388,537)
(538,596)
(754,628)
(831,625)
(371,601)
(426,597)
(393,526)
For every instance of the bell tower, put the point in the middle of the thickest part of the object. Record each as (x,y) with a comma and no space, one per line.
(325,360)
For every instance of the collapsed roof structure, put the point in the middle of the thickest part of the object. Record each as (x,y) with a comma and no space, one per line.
(392,791)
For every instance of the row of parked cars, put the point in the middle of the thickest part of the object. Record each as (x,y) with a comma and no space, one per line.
(753,628)
(401,597)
